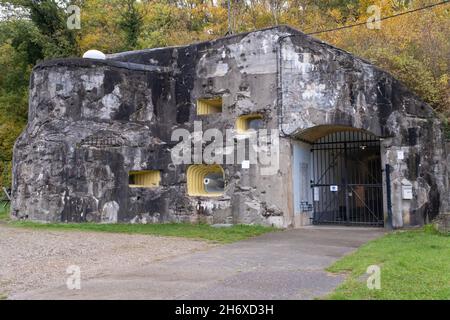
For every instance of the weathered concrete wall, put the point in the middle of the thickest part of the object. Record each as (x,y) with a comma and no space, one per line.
(91,122)
(96,121)
(322,85)
(242,69)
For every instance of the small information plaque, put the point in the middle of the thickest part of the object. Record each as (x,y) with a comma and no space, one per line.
(316,193)
(407,193)
(334,188)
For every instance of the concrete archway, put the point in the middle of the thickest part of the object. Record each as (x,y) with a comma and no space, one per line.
(338,176)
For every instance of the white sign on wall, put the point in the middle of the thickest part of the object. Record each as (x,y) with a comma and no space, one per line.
(334,188)
(407,193)
(400,155)
(316,193)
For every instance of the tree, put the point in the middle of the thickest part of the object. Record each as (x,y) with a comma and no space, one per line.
(36,30)
(50,19)
(130,22)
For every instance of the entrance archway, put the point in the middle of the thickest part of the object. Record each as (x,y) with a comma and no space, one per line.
(346,176)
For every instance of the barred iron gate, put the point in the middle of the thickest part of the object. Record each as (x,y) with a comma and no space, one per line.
(347,179)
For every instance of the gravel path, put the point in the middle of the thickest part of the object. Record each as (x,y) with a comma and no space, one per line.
(34,259)
(277,265)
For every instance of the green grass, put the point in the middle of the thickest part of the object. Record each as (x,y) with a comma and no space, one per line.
(4,212)
(414,265)
(194,231)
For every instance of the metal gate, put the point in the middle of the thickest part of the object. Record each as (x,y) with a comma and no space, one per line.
(347,179)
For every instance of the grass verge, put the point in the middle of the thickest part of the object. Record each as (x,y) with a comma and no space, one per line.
(414,265)
(194,231)
(4,212)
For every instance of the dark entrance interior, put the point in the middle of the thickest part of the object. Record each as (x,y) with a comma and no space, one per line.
(347,179)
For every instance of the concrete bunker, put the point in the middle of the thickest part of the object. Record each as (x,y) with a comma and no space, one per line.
(97,128)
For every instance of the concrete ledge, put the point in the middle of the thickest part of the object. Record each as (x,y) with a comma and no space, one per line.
(89,63)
